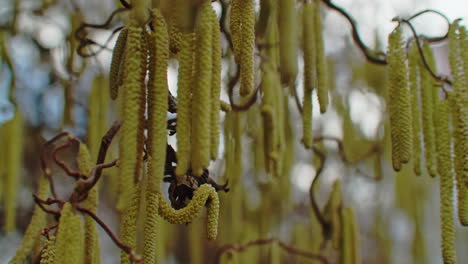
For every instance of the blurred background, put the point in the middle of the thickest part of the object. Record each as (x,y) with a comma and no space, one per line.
(398,215)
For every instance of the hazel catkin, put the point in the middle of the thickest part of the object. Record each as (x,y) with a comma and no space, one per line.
(444,165)
(414,72)
(322,86)
(201,106)
(116,67)
(215,86)
(399,101)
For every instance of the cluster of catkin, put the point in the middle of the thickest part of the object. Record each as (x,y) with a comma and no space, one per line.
(411,87)
(139,53)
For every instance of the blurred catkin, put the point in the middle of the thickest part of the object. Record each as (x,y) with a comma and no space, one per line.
(445,167)
(37,223)
(201,102)
(414,75)
(322,79)
(288,37)
(69,245)
(117,64)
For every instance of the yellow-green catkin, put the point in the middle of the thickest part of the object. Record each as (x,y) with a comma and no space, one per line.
(216,86)
(13,133)
(204,195)
(184,103)
(48,252)
(247,47)
(37,223)
(235,27)
(445,166)
(414,72)
(97,117)
(69,245)
(350,253)
(322,79)
(117,64)
(427,105)
(287,22)
(309,50)
(133,101)
(399,101)
(157,134)
(128,223)
(332,214)
(458,54)
(92,254)
(201,106)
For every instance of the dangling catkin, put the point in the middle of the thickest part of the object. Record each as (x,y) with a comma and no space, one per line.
(216,86)
(414,87)
(157,134)
(444,165)
(235,27)
(201,102)
(85,164)
(399,101)
(14,147)
(133,100)
(48,252)
(69,245)
(458,103)
(204,195)
(287,22)
(37,223)
(308,46)
(116,67)
(427,102)
(332,214)
(247,47)
(350,241)
(184,104)
(322,86)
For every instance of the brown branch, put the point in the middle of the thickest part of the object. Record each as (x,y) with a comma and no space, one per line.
(75,174)
(251,98)
(433,39)
(126,248)
(442,79)
(370,55)
(265,241)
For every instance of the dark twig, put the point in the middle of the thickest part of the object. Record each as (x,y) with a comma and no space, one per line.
(109,232)
(323,223)
(75,174)
(265,241)
(432,39)
(371,56)
(251,99)
(442,79)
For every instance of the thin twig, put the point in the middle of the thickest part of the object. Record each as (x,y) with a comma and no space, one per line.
(265,241)
(433,39)
(109,232)
(371,56)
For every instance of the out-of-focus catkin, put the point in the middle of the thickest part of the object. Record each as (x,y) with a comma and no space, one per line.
(350,253)
(310,71)
(13,139)
(116,67)
(399,101)
(458,52)
(287,22)
(69,245)
(85,164)
(201,106)
(37,223)
(427,102)
(414,88)
(445,166)
(235,27)
(184,103)
(322,79)
(216,85)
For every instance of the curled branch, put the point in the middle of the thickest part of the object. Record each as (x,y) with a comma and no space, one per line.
(265,241)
